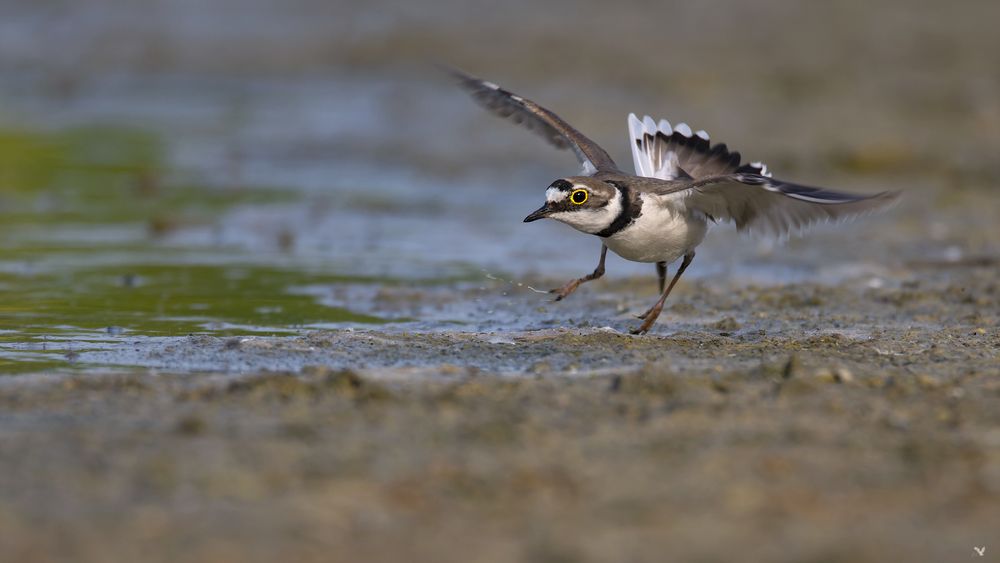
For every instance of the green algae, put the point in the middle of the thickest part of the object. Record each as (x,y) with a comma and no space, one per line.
(166,299)
(82,262)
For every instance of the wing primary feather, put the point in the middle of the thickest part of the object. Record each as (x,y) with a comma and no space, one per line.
(636,135)
(534,117)
(762,204)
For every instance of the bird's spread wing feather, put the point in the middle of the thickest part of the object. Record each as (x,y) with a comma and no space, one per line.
(536,118)
(711,179)
(763,204)
(671,153)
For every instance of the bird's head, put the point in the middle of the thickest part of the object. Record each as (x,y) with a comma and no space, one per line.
(582,202)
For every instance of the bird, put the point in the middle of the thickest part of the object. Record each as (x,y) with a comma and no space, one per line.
(682,184)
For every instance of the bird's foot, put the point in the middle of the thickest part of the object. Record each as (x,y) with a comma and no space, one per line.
(648,319)
(646,314)
(564,291)
(644,327)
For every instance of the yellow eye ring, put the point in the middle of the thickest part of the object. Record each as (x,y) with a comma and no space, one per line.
(579,197)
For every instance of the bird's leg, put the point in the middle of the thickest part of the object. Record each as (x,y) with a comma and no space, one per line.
(651,315)
(570,287)
(661,272)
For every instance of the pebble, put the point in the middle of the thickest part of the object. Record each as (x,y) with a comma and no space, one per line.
(843,375)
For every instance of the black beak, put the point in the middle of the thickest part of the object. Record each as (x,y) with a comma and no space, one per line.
(540,213)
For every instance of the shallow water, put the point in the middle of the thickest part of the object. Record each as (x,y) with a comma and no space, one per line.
(167,206)
(172,217)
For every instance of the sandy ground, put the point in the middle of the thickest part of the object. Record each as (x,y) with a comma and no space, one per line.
(861,425)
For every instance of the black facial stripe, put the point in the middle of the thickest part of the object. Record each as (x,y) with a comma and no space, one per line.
(561,185)
(629,213)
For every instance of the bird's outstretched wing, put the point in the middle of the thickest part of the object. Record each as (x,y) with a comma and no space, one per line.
(670,153)
(536,118)
(712,180)
(763,204)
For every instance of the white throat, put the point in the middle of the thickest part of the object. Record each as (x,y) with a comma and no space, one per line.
(592,221)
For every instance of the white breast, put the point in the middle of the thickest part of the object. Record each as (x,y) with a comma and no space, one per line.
(663,233)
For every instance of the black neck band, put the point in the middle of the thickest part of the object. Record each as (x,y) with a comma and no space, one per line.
(627,214)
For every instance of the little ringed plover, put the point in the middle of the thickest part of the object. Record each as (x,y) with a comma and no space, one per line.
(681,185)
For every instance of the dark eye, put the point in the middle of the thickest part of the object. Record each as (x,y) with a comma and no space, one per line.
(579,197)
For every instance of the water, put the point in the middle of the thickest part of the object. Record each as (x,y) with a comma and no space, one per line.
(165,207)
(184,191)
(173,218)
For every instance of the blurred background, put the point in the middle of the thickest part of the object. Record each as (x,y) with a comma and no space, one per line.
(266,269)
(178,166)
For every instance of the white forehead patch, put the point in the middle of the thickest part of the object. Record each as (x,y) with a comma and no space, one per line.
(553,195)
